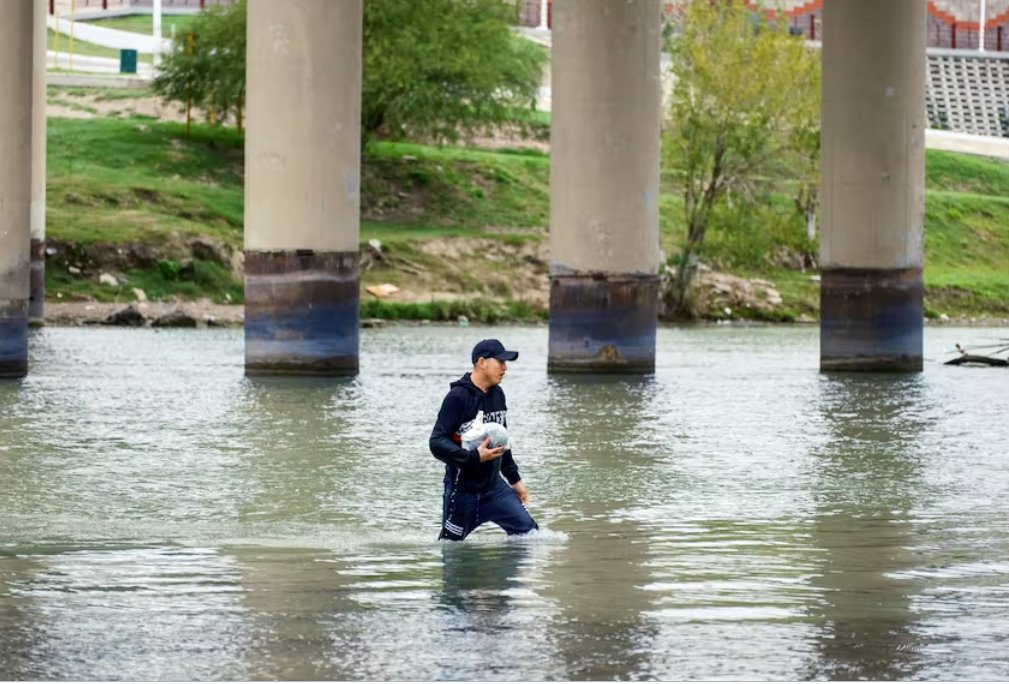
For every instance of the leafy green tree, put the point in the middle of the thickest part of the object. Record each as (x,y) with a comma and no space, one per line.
(438,69)
(223,35)
(206,66)
(445,68)
(745,107)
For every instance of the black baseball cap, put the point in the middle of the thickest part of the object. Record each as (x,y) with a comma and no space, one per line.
(492,349)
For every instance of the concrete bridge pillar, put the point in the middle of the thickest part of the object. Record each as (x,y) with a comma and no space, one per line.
(16,56)
(302,183)
(873,185)
(604,186)
(37,288)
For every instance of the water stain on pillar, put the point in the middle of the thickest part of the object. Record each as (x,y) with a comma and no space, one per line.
(871,319)
(13,338)
(603,323)
(301,312)
(37,286)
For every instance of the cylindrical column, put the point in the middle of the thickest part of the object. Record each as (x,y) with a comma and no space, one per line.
(37,289)
(981,28)
(873,185)
(302,199)
(604,186)
(16,56)
(156,32)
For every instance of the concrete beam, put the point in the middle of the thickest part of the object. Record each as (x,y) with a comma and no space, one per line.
(302,187)
(873,185)
(604,185)
(37,289)
(16,56)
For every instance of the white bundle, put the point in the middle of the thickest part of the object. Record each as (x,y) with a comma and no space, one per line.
(479,431)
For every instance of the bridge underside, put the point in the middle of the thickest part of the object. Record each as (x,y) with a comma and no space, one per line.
(303,184)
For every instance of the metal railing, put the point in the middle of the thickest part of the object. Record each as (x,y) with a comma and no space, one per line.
(64,5)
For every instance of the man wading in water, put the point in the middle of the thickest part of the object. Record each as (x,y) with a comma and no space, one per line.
(474,490)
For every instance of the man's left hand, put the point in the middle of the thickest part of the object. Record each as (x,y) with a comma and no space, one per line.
(523,494)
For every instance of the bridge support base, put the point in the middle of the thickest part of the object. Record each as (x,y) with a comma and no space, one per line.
(603,323)
(871,319)
(301,312)
(13,338)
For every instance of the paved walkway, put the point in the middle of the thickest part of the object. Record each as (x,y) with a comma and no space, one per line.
(981,145)
(90,64)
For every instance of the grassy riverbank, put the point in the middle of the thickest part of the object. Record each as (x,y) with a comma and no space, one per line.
(460,231)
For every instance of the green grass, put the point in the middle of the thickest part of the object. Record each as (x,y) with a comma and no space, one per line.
(144,23)
(447,187)
(966,234)
(951,172)
(476,311)
(116,181)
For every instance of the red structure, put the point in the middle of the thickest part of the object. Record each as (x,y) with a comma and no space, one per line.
(944,29)
(529,13)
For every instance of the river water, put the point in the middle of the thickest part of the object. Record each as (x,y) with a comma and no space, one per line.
(736,515)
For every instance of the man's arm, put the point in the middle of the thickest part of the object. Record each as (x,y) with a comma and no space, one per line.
(511,472)
(509,468)
(442,445)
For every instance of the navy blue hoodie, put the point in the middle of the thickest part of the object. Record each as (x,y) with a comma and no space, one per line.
(457,412)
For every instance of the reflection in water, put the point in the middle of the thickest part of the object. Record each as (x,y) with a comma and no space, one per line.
(299,634)
(18,620)
(869,482)
(598,578)
(297,461)
(479,581)
(483,591)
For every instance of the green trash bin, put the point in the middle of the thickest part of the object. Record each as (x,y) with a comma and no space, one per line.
(127,61)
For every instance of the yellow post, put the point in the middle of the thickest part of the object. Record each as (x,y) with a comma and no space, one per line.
(189,101)
(73,10)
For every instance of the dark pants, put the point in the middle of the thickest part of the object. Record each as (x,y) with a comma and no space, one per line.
(463,512)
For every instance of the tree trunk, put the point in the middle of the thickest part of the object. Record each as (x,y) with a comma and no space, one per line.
(685,273)
(685,278)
